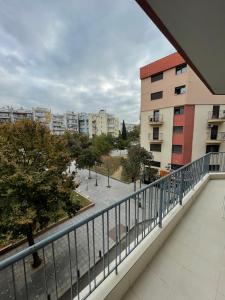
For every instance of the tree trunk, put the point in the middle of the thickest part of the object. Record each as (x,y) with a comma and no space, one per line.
(89,177)
(30,239)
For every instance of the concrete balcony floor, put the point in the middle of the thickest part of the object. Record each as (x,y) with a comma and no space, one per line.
(191,263)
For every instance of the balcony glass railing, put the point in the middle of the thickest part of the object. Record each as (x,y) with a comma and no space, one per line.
(220,115)
(77,259)
(216,136)
(155,136)
(156,118)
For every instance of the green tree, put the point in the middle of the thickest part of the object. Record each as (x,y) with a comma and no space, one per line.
(87,159)
(134,135)
(34,185)
(134,164)
(124,131)
(102,144)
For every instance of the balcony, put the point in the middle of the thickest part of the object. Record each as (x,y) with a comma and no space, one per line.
(216,118)
(155,138)
(155,120)
(216,138)
(166,240)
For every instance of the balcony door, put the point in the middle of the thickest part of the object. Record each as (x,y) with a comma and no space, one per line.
(156,115)
(216,111)
(214,132)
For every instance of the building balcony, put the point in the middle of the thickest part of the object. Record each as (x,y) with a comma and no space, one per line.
(155,120)
(216,118)
(153,242)
(217,138)
(155,138)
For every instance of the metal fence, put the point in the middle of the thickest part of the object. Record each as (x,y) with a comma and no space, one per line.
(77,259)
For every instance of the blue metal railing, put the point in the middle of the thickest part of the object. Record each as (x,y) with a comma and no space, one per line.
(77,259)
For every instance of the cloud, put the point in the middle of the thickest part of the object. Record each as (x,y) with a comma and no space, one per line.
(76,55)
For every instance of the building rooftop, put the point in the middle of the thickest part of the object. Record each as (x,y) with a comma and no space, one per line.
(163,64)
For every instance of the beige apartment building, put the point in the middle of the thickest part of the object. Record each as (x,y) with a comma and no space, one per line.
(180,119)
(103,123)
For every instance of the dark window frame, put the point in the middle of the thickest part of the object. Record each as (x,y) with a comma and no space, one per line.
(178,110)
(181,69)
(179,149)
(157,77)
(178,129)
(156,147)
(155,163)
(180,90)
(156,95)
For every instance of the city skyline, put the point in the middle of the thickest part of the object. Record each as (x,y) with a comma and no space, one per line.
(81,56)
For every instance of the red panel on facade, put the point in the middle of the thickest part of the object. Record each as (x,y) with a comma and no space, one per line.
(177,159)
(161,65)
(185,139)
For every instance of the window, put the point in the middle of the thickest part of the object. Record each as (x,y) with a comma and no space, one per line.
(181,69)
(156,77)
(177,149)
(179,110)
(212,148)
(155,147)
(178,129)
(180,90)
(155,133)
(155,163)
(157,95)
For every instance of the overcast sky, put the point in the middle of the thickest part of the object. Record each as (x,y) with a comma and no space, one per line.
(81,55)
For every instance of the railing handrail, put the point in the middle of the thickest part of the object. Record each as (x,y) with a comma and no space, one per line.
(55,236)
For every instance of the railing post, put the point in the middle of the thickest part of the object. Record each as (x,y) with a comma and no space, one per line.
(206,162)
(181,186)
(160,204)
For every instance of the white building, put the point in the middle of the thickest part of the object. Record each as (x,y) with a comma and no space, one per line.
(72,121)
(42,115)
(103,123)
(58,126)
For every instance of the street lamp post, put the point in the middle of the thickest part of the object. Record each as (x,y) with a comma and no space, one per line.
(96,176)
(108,186)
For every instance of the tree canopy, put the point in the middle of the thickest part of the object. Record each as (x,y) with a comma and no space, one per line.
(136,160)
(34,184)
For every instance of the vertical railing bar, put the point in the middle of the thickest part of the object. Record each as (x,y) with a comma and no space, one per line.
(144,195)
(126,226)
(70,265)
(138,219)
(116,250)
(142,215)
(25,278)
(107,215)
(119,235)
(89,260)
(135,214)
(45,274)
(103,243)
(93,241)
(129,225)
(76,262)
(54,265)
(14,282)
(149,209)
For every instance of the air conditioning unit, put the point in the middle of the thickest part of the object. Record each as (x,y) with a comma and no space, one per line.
(151,119)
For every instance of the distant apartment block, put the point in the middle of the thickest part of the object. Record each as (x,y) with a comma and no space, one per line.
(72,121)
(58,125)
(90,124)
(103,123)
(180,119)
(84,123)
(8,114)
(42,115)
